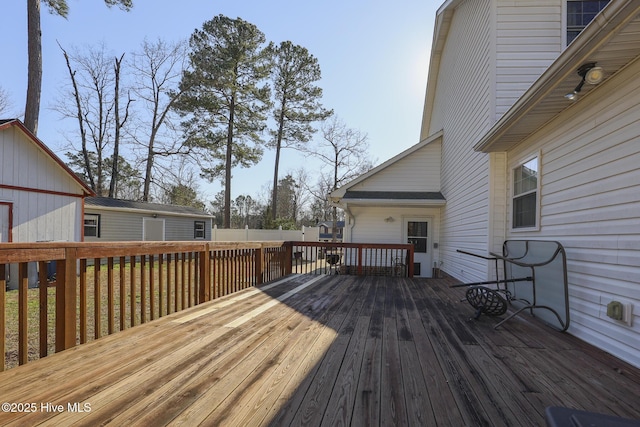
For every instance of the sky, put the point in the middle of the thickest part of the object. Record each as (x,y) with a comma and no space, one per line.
(373,55)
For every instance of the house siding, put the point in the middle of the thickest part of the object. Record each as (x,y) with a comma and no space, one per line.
(420,171)
(590,202)
(528,40)
(464,90)
(370,225)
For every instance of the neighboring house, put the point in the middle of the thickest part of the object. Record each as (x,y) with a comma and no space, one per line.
(107,219)
(41,199)
(325,231)
(518,159)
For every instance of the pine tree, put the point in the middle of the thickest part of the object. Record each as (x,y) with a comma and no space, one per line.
(225,98)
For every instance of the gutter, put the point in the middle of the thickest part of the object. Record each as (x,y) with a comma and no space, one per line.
(145,211)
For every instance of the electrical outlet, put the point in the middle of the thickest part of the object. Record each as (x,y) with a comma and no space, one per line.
(620,312)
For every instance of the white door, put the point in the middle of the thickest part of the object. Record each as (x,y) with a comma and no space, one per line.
(417,232)
(152,229)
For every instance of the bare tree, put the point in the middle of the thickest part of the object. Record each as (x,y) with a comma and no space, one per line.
(158,67)
(345,151)
(5,102)
(119,124)
(94,89)
(179,185)
(34,50)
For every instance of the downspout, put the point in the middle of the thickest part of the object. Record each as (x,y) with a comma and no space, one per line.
(348,211)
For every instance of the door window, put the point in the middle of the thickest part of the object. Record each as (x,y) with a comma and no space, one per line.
(417,235)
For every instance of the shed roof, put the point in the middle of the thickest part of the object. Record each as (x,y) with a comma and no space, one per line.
(130,205)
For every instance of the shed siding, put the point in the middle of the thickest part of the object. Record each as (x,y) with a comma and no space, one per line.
(590,202)
(528,40)
(127,226)
(38,215)
(463,109)
(419,171)
(25,165)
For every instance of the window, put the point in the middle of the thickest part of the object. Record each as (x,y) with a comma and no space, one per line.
(417,235)
(91,225)
(198,230)
(525,194)
(579,14)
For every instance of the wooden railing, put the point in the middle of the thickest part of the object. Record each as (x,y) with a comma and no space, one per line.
(96,289)
(71,293)
(362,259)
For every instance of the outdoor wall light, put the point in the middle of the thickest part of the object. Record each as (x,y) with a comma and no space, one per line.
(389,219)
(590,74)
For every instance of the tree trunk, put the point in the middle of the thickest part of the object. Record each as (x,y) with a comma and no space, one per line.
(227,173)
(113,185)
(34,70)
(274,203)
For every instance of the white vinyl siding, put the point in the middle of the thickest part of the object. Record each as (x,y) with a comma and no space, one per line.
(528,40)
(463,109)
(419,171)
(370,224)
(590,202)
(497,201)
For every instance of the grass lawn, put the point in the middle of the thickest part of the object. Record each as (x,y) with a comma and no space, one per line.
(159,307)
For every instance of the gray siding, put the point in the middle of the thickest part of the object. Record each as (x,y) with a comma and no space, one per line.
(127,226)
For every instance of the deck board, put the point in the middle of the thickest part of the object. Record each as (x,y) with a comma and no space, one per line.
(341,350)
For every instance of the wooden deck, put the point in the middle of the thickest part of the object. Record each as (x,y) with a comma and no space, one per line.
(326,350)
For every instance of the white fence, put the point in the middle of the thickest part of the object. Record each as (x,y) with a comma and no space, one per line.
(307,234)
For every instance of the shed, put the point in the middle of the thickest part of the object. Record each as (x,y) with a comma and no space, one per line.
(107,219)
(41,199)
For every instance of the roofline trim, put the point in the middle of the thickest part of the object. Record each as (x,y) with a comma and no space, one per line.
(89,206)
(600,30)
(15,122)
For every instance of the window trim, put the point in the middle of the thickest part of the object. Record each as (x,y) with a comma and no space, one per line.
(196,229)
(97,226)
(565,22)
(537,191)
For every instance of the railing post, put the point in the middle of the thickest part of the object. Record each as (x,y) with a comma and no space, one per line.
(410,261)
(23,284)
(66,301)
(359,260)
(288,261)
(259,267)
(204,291)
(3,312)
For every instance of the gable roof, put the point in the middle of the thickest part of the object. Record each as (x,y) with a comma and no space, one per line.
(340,192)
(130,205)
(612,40)
(8,123)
